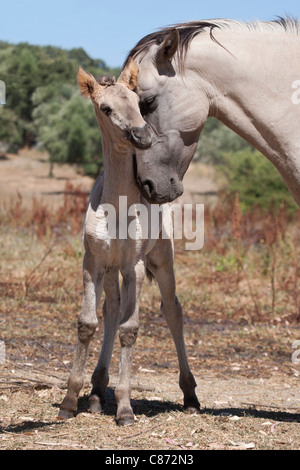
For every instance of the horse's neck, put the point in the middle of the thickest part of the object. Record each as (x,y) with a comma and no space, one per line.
(119,177)
(249,84)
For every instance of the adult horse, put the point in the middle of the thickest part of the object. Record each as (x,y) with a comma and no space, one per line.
(245,75)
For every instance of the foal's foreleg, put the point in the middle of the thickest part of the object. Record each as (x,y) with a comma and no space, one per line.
(161,263)
(111,314)
(87,323)
(131,289)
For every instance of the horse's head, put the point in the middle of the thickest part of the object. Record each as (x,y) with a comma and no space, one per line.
(176,114)
(117,107)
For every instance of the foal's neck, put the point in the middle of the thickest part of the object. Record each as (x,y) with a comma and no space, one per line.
(119,176)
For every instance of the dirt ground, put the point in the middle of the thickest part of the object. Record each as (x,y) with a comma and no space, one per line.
(246,403)
(247,373)
(28,174)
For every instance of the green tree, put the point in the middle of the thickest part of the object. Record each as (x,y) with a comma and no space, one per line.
(39,83)
(67,128)
(216,139)
(10,133)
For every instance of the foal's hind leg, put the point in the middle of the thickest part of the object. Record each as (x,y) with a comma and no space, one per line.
(87,323)
(160,262)
(129,325)
(111,314)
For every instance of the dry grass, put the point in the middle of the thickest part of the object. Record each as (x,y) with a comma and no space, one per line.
(240,295)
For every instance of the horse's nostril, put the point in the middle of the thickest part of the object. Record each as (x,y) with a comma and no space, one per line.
(172,180)
(148,187)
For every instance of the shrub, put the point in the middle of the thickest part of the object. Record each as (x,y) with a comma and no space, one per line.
(255,179)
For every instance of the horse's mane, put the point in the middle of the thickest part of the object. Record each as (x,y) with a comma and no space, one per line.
(187,31)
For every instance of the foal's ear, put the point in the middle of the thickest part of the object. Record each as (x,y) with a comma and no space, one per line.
(168,48)
(129,76)
(86,82)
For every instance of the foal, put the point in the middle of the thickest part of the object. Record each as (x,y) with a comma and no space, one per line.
(123,129)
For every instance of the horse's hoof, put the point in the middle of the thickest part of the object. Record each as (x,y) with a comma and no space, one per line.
(191,405)
(95,404)
(192,410)
(66,414)
(125,421)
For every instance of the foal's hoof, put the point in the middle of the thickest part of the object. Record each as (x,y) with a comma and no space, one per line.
(125,421)
(66,414)
(95,404)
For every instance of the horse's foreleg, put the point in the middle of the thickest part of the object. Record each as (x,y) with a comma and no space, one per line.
(131,289)
(172,311)
(161,263)
(111,315)
(87,323)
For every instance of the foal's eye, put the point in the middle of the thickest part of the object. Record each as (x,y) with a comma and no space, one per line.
(106,109)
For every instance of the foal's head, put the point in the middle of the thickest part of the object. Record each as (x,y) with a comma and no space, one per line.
(117,107)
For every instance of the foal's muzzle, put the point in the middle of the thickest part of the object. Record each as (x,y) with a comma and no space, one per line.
(140,137)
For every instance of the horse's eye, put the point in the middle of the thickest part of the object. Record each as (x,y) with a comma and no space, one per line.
(150,100)
(148,105)
(106,109)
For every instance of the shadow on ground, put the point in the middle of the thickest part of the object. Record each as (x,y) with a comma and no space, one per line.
(152,408)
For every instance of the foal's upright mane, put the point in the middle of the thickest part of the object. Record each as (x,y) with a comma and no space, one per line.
(106,80)
(187,32)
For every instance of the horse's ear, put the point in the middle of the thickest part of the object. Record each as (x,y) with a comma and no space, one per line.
(86,82)
(129,75)
(168,48)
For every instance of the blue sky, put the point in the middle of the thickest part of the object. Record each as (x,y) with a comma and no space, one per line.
(109,29)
